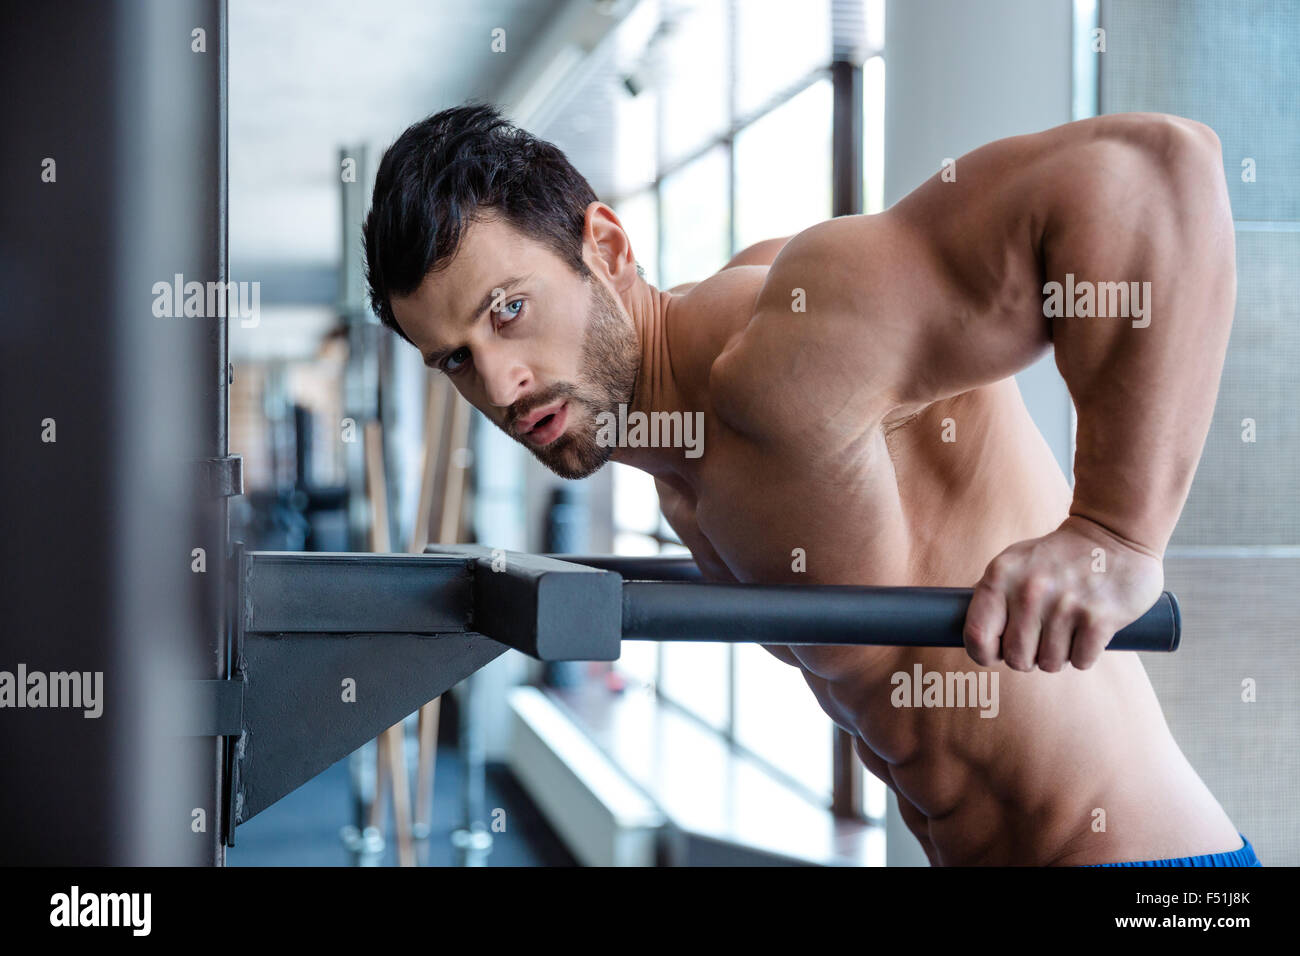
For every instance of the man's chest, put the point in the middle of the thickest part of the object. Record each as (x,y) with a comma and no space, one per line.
(678,501)
(888,517)
(747,515)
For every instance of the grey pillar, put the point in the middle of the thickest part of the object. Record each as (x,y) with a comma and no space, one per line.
(113,177)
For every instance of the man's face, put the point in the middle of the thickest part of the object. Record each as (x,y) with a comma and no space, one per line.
(538,349)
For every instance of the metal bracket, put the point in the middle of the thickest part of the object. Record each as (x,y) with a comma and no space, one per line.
(329,650)
(215,708)
(220,477)
(550,609)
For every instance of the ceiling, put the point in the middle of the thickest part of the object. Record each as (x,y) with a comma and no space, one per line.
(307,76)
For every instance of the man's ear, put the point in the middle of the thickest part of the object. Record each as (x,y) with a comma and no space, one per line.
(607,250)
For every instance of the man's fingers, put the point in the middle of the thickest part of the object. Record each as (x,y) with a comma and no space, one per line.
(1020,640)
(985,620)
(1090,639)
(1058,635)
(1026,605)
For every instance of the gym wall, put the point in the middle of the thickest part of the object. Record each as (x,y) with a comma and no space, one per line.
(1235,556)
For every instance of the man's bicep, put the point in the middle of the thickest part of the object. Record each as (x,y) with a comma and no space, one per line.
(989,232)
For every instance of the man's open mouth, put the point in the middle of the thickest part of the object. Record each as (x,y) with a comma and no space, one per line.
(548,428)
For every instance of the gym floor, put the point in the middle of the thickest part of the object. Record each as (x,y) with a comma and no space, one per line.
(303,828)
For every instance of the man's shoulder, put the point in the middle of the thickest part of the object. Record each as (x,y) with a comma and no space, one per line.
(828,267)
(712,310)
(730,280)
(817,330)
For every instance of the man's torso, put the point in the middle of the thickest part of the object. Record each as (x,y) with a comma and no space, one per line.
(1076,767)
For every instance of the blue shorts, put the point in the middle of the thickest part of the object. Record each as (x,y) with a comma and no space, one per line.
(1245,856)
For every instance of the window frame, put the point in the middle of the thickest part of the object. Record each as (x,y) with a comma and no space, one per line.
(726,138)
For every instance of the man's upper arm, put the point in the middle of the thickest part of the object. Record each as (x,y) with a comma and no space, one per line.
(865,318)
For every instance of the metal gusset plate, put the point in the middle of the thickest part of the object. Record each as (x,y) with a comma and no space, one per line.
(335,648)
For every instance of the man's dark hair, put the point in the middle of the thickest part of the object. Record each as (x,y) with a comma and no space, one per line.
(461,164)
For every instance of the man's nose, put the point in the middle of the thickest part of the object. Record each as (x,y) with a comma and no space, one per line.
(505,379)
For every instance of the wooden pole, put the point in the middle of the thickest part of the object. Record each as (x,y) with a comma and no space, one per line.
(392,739)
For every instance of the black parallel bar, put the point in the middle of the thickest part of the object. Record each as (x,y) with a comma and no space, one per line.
(799,614)
(342,593)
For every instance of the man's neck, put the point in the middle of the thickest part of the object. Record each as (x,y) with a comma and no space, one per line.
(657,389)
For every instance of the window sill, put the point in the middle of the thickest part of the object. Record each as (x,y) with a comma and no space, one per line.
(723,806)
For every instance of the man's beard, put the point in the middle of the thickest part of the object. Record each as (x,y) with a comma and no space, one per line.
(611,358)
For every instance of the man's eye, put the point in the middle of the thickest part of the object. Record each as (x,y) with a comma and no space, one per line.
(452,363)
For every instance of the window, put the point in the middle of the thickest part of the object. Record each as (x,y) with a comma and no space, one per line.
(736,108)
(778,46)
(639,214)
(783,168)
(697,677)
(636,137)
(691,71)
(873,135)
(696,220)
(778,718)
(636,511)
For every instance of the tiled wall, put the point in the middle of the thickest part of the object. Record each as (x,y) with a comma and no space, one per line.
(1234,560)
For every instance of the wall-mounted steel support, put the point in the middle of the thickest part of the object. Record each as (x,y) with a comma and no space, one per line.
(330,649)
(215,709)
(333,648)
(312,699)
